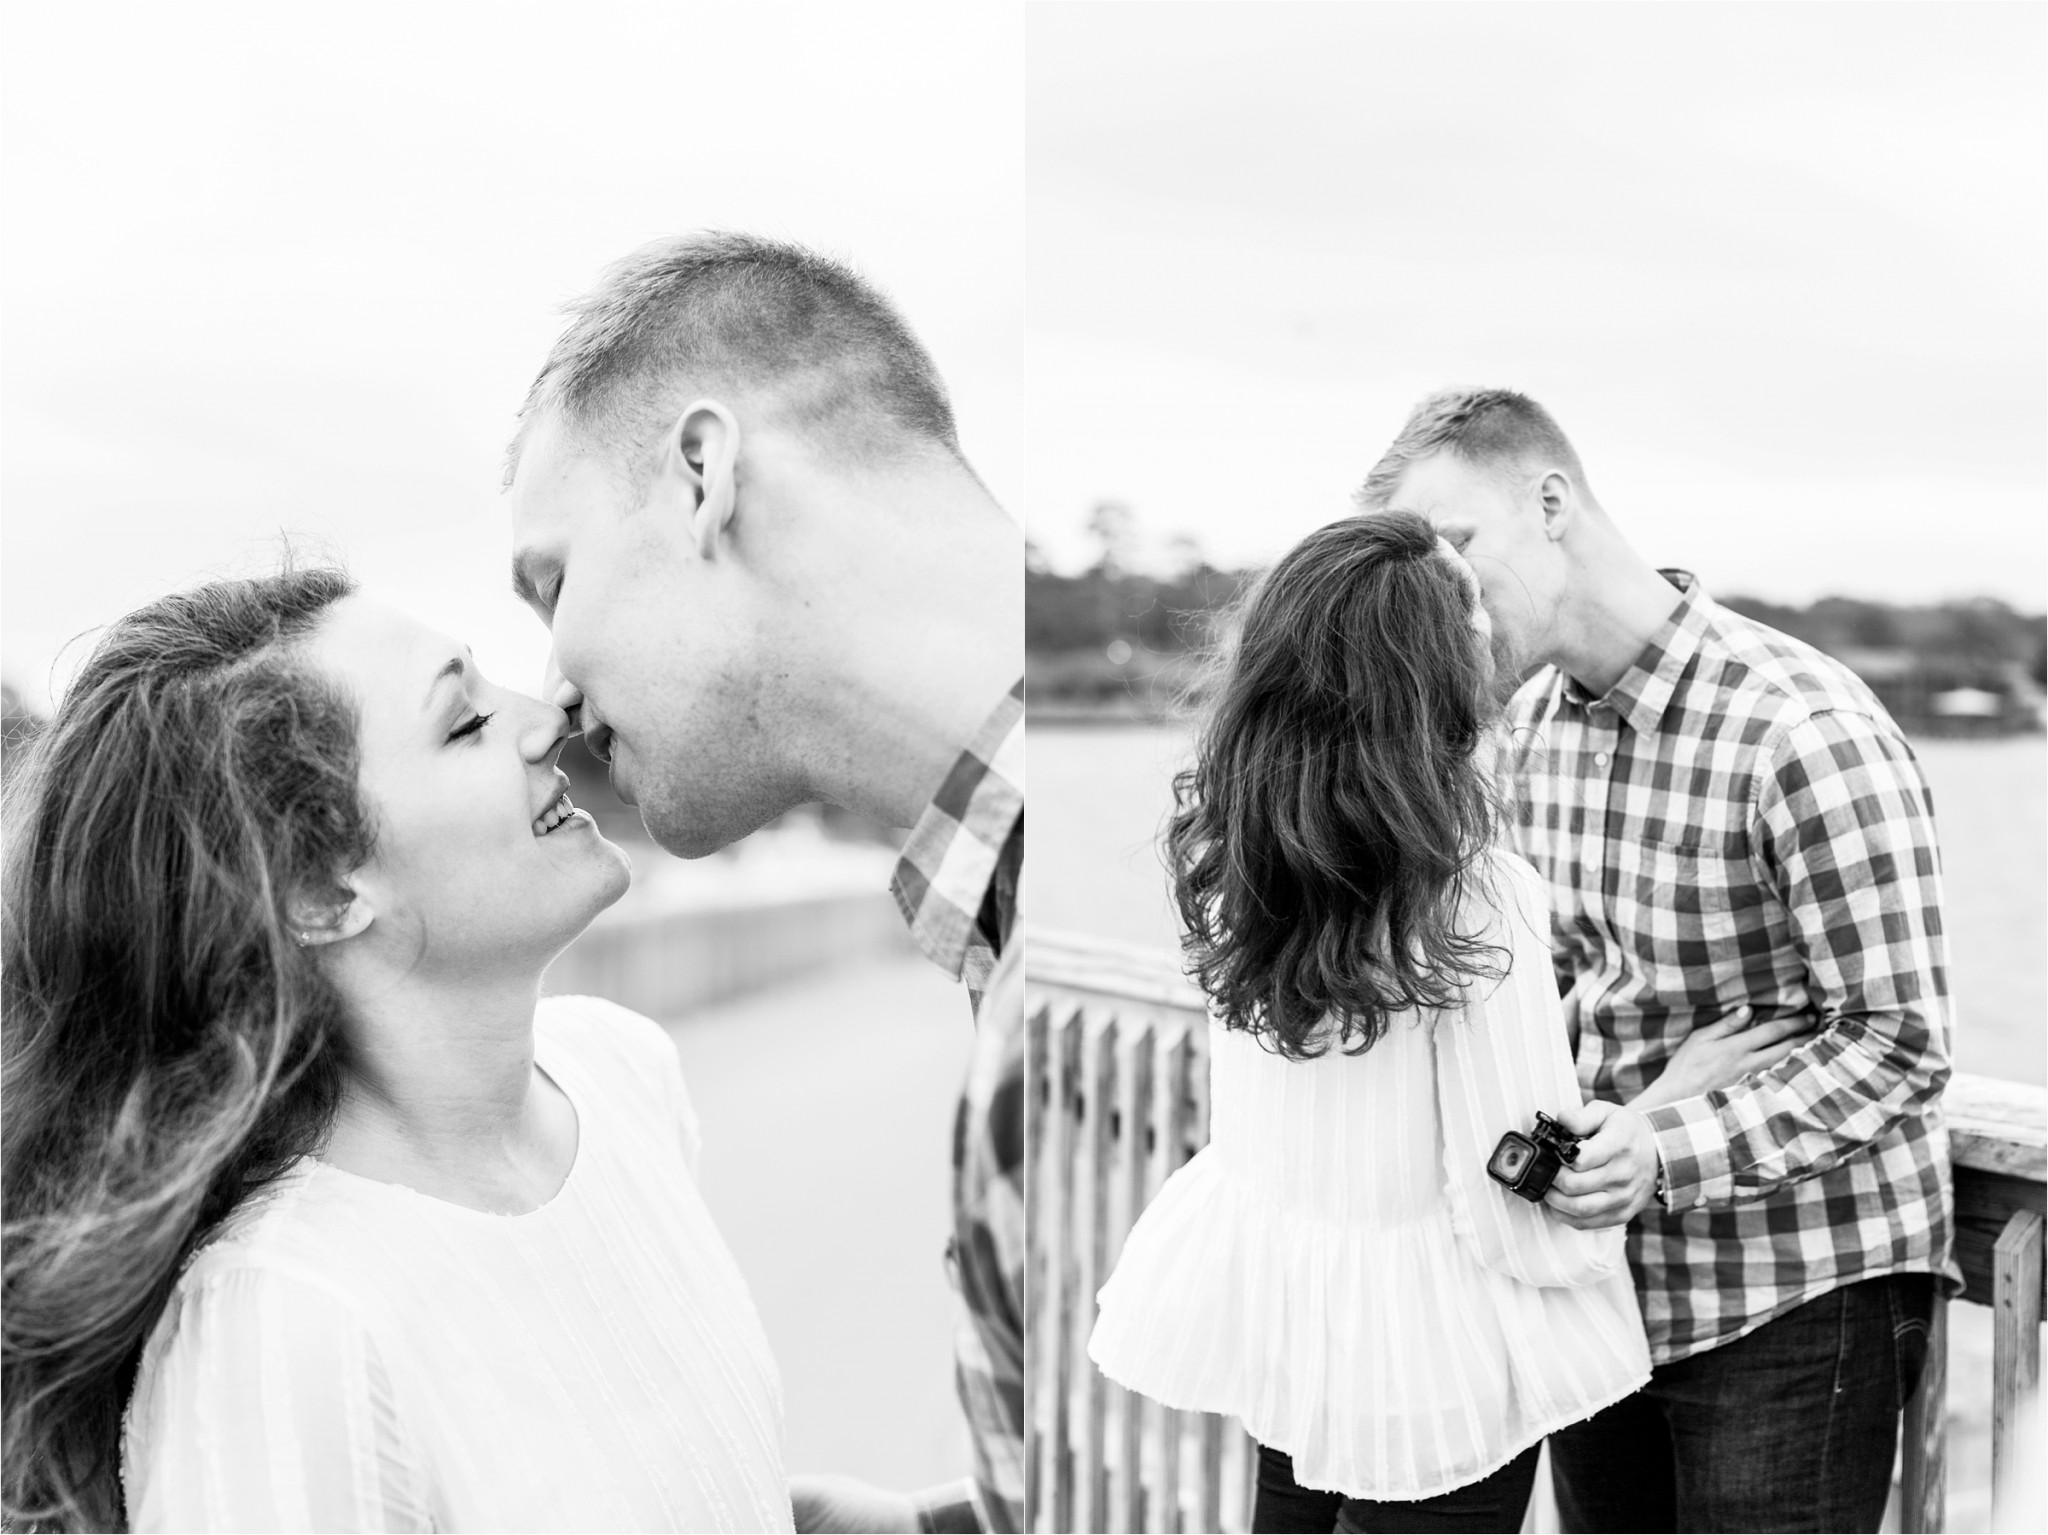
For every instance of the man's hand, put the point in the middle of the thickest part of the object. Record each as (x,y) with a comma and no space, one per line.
(845,1503)
(1616,1173)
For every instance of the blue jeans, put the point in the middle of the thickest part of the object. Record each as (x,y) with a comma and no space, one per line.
(1494,1504)
(1792,1427)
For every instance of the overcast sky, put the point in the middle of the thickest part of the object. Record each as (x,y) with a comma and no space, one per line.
(1777,269)
(293,267)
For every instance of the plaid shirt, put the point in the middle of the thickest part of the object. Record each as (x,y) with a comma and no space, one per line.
(1738,821)
(959,885)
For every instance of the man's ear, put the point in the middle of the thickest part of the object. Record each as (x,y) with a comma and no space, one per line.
(1555,500)
(323,919)
(703,451)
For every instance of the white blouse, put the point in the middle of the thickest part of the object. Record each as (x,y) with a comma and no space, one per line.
(1336,1269)
(348,1354)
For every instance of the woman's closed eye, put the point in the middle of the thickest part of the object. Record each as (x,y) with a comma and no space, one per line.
(471,726)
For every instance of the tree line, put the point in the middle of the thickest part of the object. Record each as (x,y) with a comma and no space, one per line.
(1119,638)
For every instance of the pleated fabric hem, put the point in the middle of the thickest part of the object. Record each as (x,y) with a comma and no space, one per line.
(1389,1362)
(1392,1494)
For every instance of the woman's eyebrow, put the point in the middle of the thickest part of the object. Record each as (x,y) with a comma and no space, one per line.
(455,666)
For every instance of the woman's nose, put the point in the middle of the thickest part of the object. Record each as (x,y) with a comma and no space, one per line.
(547,728)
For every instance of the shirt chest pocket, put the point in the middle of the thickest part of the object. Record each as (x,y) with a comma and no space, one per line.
(1690,901)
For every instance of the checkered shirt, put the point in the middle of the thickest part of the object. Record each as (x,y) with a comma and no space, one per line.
(953,867)
(1738,821)
(960,886)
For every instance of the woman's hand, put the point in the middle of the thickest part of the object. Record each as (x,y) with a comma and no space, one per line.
(1722,1053)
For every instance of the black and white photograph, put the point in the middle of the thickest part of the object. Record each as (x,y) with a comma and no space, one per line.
(539,545)
(513,616)
(1535,660)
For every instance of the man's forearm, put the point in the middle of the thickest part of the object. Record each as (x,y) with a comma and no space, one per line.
(1823,1103)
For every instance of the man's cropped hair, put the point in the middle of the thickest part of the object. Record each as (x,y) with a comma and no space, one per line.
(1490,428)
(723,314)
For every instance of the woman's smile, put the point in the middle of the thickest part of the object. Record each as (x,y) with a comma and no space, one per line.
(559,813)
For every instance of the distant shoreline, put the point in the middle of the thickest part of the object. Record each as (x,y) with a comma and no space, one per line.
(1072,713)
(1067,712)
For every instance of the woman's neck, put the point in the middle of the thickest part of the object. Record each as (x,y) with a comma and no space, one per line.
(444,1097)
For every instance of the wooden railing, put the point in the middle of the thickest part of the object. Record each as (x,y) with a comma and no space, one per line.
(1996,1148)
(1118,1098)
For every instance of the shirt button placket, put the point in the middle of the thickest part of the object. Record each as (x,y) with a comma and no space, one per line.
(1601,740)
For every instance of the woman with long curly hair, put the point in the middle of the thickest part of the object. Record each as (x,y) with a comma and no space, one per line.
(1336,1268)
(317,1216)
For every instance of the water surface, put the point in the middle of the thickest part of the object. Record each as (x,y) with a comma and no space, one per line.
(1099,795)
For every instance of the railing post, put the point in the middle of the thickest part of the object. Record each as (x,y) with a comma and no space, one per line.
(2016,1334)
(1209,1507)
(1134,1173)
(1039,1215)
(1098,1099)
(1923,1469)
(1064,1061)
(1172,1153)
(1245,1459)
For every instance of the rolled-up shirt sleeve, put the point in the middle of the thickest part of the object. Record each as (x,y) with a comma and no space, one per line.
(1498,1063)
(1843,834)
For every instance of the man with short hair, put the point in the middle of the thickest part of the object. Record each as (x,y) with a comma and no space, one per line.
(740,505)
(1726,818)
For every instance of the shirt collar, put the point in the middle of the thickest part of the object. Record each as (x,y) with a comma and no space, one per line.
(1643,692)
(952,853)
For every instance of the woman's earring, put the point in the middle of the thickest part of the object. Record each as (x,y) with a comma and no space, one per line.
(336,923)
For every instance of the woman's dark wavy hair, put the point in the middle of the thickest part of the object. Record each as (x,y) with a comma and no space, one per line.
(1323,843)
(167,1048)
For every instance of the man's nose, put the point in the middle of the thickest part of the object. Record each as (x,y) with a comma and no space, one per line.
(563,694)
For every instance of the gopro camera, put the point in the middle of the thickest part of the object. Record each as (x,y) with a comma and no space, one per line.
(1528,1164)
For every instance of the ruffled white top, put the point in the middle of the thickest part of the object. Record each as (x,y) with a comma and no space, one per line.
(351,1355)
(1336,1269)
